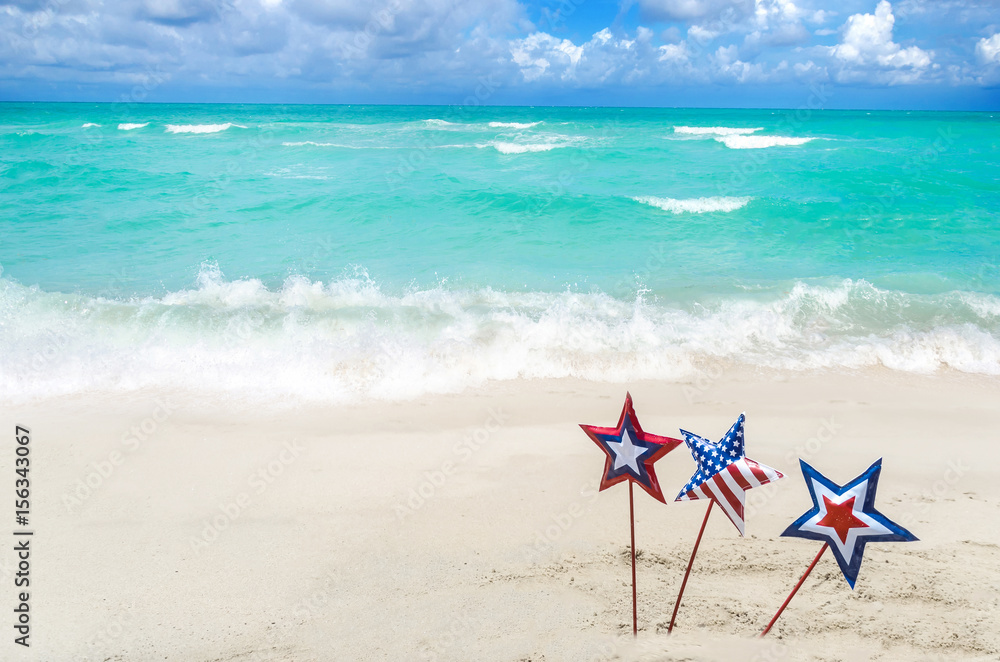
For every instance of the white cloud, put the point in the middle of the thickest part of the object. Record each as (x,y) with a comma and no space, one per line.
(609,58)
(401,46)
(728,65)
(809,70)
(603,37)
(769,12)
(536,53)
(868,41)
(701,35)
(821,16)
(988,49)
(673,52)
(605,57)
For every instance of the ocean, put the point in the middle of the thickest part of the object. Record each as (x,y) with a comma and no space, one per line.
(344,253)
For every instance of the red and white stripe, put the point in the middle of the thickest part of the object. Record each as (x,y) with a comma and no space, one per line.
(728,487)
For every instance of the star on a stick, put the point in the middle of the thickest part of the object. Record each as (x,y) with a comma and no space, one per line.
(845,518)
(631,452)
(724,473)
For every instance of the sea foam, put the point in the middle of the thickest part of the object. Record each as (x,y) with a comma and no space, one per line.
(507,147)
(695,205)
(311,143)
(201,128)
(760,142)
(713,130)
(128,126)
(516,148)
(513,125)
(89,125)
(350,340)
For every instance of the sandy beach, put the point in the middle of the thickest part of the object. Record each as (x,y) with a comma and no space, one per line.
(469,526)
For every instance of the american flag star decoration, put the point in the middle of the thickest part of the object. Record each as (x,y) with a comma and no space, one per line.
(724,473)
(631,452)
(845,518)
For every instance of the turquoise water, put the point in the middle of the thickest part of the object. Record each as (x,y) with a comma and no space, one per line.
(337,252)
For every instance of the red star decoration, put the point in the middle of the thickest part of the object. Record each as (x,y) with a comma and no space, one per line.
(620,444)
(840,517)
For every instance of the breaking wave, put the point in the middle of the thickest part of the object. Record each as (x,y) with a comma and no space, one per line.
(349,339)
(201,128)
(695,205)
(713,130)
(513,125)
(760,142)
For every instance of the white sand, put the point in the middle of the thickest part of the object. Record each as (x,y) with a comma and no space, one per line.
(330,554)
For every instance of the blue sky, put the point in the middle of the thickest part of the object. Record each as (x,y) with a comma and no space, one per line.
(763,53)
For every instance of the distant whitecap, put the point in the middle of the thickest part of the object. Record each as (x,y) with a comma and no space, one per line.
(513,125)
(714,130)
(760,142)
(201,128)
(695,205)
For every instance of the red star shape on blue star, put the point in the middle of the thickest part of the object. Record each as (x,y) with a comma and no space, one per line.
(845,517)
(631,452)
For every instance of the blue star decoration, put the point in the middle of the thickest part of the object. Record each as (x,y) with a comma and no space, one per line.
(724,473)
(845,518)
(631,452)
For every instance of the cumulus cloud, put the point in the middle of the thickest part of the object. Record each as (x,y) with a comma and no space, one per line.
(728,65)
(535,54)
(988,49)
(607,58)
(604,58)
(867,41)
(776,11)
(400,46)
(673,53)
(392,43)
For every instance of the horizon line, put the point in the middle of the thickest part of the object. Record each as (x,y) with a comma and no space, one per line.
(487,105)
